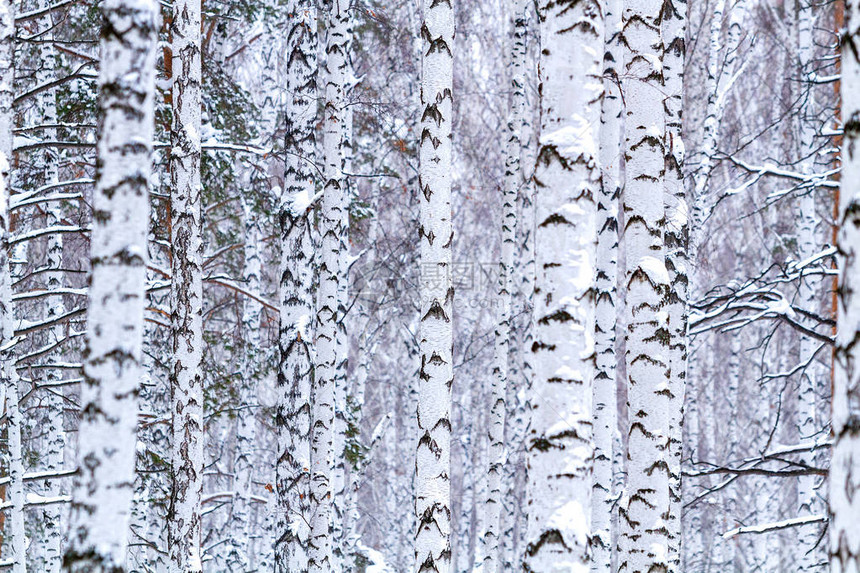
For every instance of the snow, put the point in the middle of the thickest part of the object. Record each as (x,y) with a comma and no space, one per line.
(571,521)
(781,306)
(575,139)
(659,551)
(302,325)
(764,527)
(678,216)
(36,499)
(377,562)
(567,373)
(655,269)
(299,201)
(656,62)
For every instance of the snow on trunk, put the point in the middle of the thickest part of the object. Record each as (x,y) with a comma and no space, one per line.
(435,335)
(13,457)
(845,464)
(604,392)
(645,537)
(103,492)
(293,417)
(567,179)
(186,286)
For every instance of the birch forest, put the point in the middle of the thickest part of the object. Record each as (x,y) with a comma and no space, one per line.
(429,286)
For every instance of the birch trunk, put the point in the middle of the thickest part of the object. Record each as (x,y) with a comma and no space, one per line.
(519,367)
(527,264)
(604,393)
(845,464)
(710,129)
(321,557)
(498,451)
(107,435)
(342,26)
(808,292)
(297,306)
(694,551)
(567,179)
(436,233)
(676,239)
(13,456)
(186,291)
(53,401)
(241,556)
(649,398)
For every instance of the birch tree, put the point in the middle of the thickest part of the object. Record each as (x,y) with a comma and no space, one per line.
(519,367)
(327,349)
(13,457)
(567,179)
(53,418)
(186,290)
(498,449)
(809,289)
(342,25)
(435,334)
(646,505)
(710,128)
(605,385)
(293,419)
(676,238)
(243,464)
(103,491)
(845,464)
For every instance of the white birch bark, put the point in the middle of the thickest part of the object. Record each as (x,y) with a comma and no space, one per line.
(155,399)
(53,401)
(480,487)
(676,242)
(567,180)
(13,456)
(765,554)
(527,266)
(645,541)
(342,24)
(732,449)
(436,233)
(331,220)
(367,299)
(519,366)
(241,557)
(604,392)
(498,451)
(808,293)
(710,129)
(186,291)
(463,546)
(103,492)
(293,420)
(845,464)
(693,553)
